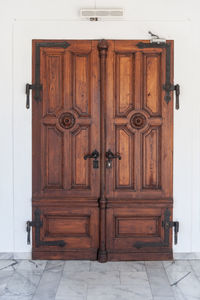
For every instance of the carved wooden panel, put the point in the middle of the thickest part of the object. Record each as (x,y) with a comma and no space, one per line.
(124,176)
(81,73)
(136,226)
(80,167)
(69,118)
(54,158)
(67,225)
(152,83)
(151,158)
(124,83)
(78,227)
(144,172)
(130,225)
(53,72)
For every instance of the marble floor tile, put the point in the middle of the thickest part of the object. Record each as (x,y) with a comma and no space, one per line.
(177,266)
(49,281)
(195,264)
(118,292)
(184,283)
(5,276)
(69,288)
(16,298)
(163,298)
(7,264)
(6,255)
(24,279)
(154,264)
(94,278)
(126,266)
(31,266)
(159,282)
(76,265)
(21,285)
(139,278)
(68,297)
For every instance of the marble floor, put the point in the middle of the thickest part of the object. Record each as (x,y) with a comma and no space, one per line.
(85,280)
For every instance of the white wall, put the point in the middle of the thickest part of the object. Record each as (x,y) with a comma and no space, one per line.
(23,20)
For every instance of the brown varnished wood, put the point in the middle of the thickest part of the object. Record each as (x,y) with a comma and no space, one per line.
(103,48)
(106,88)
(142,180)
(66,187)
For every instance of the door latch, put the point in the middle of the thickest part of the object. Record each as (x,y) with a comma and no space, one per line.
(170,87)
(170,224)
(37,87)
(95,156)
(110,156)
(37,223)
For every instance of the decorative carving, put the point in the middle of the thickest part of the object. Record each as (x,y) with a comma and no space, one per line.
(138,121)
(66,120)
(63,45)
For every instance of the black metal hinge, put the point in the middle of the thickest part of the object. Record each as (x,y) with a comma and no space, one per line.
(175,225)
(37,223)
(166,224)
(37,86)
(29,87)
(168,86)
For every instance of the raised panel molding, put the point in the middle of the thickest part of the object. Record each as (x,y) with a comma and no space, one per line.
(80,168)
(63,225)
(125,144)
(81,81)
(151,149)
(53,77)
(53,158)
(152,83)
(144,226)
(124,83)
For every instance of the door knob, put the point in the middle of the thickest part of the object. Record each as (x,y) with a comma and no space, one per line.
(95,156)
(110,156)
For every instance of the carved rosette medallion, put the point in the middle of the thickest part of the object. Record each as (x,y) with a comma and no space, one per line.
(66,120)
(138,121)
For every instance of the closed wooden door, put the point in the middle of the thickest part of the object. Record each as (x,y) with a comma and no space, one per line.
(102,150)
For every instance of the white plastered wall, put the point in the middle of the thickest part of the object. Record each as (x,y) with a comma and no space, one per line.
(22,21)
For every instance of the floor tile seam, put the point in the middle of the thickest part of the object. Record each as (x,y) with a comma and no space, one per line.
(193,271)
(86,296)
(90,266)
(39,281)
(120,280)
(149,281)
(61,275)
(173,292)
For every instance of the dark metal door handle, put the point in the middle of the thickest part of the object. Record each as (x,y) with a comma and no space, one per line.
(95,156)
(110,155)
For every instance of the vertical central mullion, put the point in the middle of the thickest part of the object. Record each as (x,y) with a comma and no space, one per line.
(139,86)
(103,48)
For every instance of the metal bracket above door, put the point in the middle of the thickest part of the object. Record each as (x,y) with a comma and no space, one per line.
(37,86)
(37,223)
(168,86)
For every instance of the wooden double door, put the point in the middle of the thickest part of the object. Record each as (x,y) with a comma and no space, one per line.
(102,150)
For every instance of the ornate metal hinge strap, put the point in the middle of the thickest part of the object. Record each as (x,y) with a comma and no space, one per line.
(168,86)
(37,223)
(37,86)
(166,224)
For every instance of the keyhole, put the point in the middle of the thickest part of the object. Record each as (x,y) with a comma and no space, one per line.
(109,164)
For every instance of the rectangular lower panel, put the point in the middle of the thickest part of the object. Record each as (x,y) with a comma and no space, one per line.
(77,227)
(137,232)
